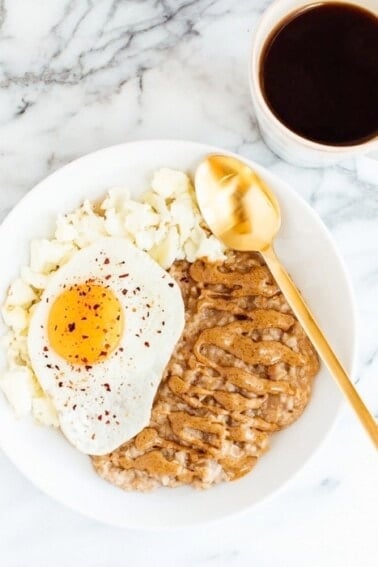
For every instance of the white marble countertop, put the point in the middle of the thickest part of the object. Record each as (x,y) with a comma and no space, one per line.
(79,75)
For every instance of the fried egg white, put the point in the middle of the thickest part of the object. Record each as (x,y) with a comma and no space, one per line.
(100,338)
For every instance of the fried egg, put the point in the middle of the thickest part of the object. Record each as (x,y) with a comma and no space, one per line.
(99,341)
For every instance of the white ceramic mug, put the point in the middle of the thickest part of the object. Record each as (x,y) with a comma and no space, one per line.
(284,142)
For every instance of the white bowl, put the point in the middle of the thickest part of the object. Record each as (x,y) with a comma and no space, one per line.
(304,245)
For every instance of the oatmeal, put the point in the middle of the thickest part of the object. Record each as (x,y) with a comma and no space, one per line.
(242,370)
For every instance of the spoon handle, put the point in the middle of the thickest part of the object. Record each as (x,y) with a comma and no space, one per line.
(322,346)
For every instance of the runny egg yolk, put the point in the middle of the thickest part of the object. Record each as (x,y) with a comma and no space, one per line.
(85,323)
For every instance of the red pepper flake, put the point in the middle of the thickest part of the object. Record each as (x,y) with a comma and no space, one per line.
(146,344)
(106,412)
(71,327)
(108,277)
(124,276)
(107,387)
(83,318)
(103,353)
(121,349)
(88,367)
(124,291)
(96,306)
(99,417)
(107,421)
(106,261)
(45,349)
(84,336)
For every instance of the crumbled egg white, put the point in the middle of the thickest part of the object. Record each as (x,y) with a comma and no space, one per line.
(18,386)
(165,222)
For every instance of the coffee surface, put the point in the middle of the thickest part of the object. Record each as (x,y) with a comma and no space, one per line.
(319,73)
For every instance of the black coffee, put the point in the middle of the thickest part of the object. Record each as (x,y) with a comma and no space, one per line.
(319,73)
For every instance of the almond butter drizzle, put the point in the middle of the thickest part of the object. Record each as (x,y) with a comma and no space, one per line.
(239,373)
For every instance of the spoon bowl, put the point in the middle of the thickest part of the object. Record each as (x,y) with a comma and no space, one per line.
(237,205)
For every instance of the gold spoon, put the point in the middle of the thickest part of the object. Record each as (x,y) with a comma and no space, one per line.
(244,214)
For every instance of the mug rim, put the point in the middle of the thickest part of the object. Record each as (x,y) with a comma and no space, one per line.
(258,97)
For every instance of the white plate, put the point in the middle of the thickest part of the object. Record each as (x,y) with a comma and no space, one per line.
(305,247)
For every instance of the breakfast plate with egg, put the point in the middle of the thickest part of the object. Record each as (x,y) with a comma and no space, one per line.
(149,377)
